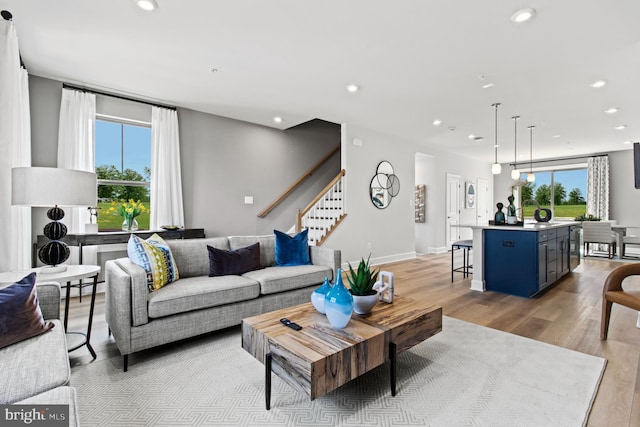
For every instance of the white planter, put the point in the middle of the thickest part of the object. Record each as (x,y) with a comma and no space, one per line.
(364,304)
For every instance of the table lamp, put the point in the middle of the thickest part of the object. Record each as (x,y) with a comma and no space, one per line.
(52,188)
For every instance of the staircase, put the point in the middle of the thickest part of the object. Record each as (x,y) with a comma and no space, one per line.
(325,212)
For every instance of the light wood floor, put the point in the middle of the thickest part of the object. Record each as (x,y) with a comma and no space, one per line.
(567,315)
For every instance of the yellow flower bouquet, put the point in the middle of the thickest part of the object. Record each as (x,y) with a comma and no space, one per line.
(128,210)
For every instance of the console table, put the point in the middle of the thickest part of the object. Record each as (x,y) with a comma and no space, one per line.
(108,238)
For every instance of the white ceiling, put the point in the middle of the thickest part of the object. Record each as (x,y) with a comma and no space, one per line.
(415,61)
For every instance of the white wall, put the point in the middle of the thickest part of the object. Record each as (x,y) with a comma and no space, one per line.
(392,232)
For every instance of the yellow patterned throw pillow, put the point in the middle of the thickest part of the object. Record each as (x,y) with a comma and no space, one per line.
(154,255)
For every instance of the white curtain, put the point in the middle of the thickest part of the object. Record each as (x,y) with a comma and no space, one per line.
(15,146)
(76,150)
(598,186)
(166,179)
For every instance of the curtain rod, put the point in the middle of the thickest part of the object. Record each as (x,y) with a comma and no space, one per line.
(113,95)
(9,17)
(557,159)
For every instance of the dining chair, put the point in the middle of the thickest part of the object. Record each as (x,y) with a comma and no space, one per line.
(598,232)
(630,239)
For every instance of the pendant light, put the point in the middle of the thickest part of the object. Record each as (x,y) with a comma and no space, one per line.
(531,177)
(515,173)
(496,168)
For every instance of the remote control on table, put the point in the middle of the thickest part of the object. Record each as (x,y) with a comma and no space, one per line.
(290,324)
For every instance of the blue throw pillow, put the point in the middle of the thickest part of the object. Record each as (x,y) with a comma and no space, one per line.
(20,315)
(240,261)
(292,250)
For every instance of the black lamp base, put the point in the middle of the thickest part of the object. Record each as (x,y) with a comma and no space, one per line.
(56,251)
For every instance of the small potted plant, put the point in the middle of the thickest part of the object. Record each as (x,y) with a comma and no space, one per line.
(361,287)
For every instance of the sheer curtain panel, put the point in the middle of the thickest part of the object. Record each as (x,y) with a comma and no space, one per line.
(76,150)
(598,186)
(15,143)
(166,178)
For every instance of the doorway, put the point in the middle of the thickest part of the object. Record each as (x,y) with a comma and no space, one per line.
(453,209)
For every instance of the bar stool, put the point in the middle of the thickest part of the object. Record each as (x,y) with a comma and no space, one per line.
(466,246)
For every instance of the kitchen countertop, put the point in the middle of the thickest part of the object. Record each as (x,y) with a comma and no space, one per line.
(528,226)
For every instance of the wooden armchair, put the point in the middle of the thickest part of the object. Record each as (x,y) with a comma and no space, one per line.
(613,292)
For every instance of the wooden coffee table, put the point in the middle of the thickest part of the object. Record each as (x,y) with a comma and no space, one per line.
(320,358)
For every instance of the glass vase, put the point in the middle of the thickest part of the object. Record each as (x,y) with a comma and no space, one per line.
(129,225)
(318,296)
(338,303)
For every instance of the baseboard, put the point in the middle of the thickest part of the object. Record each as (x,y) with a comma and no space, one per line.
(440,250)
(382,260)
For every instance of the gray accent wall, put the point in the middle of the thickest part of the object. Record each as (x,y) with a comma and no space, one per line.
(222,160)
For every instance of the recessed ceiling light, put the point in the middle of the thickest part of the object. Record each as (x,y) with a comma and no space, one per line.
(472,136)
(277,119)
(611,110)
(598,83)
(147,5)
(487,86)
(437,122)
(627,142)
(555,136)
(620,127)
(353,88)
(523,15)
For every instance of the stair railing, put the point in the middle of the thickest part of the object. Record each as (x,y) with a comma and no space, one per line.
(324,212)
(300,180)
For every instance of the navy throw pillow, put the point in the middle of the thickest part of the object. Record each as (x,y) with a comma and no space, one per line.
(292,250)
(240,261)
(20,315)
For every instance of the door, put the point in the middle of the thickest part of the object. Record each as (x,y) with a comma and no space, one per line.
(453,208)
(482,202)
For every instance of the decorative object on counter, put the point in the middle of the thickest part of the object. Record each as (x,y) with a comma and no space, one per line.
(495,167)
(498,218)
(128,210)
(542,214)
(47,187)
(338,303)
(515,173)
(361,283)
(511,212)
(92,226)
(170,227)
(384,186)
(531,177)
(587,217)
(470,195)
(419,202)
(318,296)
(385,287)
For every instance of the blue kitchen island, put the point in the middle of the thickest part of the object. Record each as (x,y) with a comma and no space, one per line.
(523,260)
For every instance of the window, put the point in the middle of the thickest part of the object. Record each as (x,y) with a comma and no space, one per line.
(123,167)
(563,191)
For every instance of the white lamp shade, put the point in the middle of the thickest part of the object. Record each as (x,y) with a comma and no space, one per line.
(496,168)
(515,174)
(531,177)
(47,187)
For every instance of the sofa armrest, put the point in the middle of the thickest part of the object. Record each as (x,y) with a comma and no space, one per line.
(331,258)
(125,300)
(49,299)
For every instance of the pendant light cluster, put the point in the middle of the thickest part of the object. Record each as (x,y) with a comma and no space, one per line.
(496,168)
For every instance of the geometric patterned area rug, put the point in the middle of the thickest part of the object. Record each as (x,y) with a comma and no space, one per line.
(467,375)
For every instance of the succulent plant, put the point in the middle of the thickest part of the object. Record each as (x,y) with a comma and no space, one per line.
(361,281)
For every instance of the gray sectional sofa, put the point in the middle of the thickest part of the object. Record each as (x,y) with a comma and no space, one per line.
(196,303)
(36,371)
